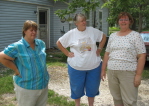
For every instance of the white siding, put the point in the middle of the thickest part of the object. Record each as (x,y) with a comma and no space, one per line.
(35,2)
(12,17)
(57,25)
(14,12)
(105,25)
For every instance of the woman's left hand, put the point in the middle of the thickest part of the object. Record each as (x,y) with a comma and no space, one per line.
(137,80)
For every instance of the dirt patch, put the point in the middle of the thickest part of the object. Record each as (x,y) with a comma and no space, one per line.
(7,100)
(59,82)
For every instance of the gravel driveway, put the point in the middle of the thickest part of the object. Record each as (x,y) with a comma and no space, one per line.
(59,82)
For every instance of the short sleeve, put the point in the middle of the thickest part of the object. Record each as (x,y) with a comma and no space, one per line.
(41,42)
(98,34)
(11,50)
(66,39)
(109,43)
(139,44)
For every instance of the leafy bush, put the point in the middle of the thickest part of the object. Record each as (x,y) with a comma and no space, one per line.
(114,29)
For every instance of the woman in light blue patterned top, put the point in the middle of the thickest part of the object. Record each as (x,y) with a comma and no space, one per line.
(27,58)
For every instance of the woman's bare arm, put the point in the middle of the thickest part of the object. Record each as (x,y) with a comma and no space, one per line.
(101,45)
(8,62)
(104,65)
(64,50)
(140,67)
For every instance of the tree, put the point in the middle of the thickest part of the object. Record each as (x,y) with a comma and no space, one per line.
(73,5)
(138,8)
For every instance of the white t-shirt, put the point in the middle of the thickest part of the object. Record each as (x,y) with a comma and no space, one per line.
(124,50)
(83,45)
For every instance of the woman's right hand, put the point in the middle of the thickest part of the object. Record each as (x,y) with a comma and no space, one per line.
(70,54)
(17,73)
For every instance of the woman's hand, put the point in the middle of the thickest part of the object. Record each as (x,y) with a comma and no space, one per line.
(17,73)
(70,54)
(137,80)
(140,67)
(103,75)
(98,52)
(8,62)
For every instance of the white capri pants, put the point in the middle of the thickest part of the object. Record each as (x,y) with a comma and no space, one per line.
(27,97)
(121,85)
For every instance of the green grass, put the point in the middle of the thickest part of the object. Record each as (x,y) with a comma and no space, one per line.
(6,83)
(54,62)
(145,74)
(6,86)
(54,98)
(57,59)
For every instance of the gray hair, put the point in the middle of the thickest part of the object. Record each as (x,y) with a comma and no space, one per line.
(75,19)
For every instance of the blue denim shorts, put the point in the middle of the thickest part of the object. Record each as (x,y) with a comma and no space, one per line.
(84,82)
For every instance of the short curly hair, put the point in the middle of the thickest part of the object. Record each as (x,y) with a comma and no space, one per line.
(122,14)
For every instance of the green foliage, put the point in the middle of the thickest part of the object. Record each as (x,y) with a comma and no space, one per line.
(114,29)
(138,9)
(73,5)
(102,53)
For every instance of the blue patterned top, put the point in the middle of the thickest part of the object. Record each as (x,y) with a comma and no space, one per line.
(30,63)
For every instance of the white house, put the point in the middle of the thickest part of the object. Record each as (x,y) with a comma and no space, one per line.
(15,12)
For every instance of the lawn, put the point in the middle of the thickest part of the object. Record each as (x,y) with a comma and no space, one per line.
(6,87)
(54,58)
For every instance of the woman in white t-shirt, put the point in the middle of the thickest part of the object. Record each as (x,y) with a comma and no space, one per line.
(84,61)
(125,58)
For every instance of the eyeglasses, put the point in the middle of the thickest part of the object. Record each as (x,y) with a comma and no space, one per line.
(123,19)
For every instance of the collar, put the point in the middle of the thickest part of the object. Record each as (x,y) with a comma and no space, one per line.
(27,44)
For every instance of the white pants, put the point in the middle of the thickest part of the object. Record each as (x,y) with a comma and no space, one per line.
(27,97)
(121,85)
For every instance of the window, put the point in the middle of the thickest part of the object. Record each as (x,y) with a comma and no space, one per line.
(87,14)
(100,19)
